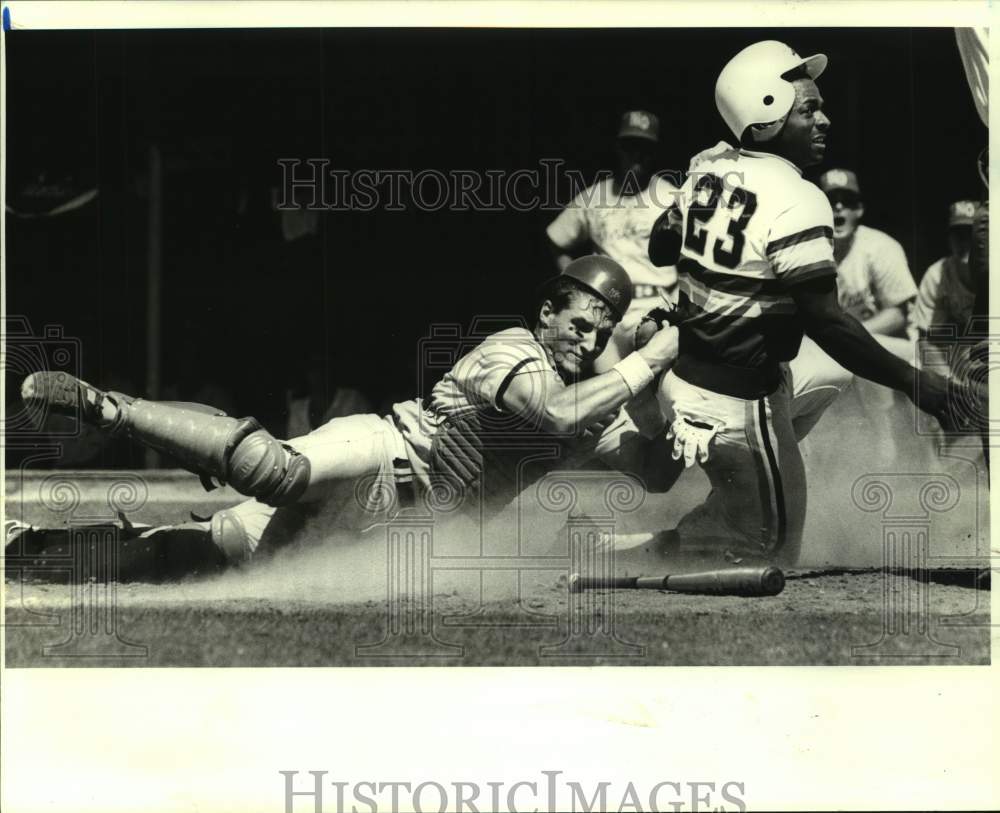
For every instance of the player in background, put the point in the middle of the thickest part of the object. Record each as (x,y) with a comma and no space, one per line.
(874,286)
(753,243)
(614,217)
(517,395)
(946,301)
(874,282)
(947,293)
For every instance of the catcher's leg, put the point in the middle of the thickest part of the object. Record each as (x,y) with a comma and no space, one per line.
(245,530)
(357,463)
(350,457)
(237,451)
(239,531)
(235,533)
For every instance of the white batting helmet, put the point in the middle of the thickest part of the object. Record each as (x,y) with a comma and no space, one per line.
(750,89)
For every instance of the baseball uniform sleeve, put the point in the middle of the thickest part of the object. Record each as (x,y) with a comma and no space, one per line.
(927,298)
(800,242)
(891,278)
(570,228)
(485,373)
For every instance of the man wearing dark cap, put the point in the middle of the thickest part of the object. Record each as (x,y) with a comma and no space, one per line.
(873,278)
(614,217)
(947,293)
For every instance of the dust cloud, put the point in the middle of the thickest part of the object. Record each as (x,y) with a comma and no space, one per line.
(868,475)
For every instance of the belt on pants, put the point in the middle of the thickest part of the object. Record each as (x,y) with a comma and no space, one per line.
(403,476)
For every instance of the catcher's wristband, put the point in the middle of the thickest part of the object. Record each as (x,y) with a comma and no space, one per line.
(636,371)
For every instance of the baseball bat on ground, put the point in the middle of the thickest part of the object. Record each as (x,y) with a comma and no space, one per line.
(737,581)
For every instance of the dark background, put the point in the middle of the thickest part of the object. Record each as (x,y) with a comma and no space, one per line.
(243,309)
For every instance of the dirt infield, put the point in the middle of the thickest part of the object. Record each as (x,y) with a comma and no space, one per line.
(874,588)
(821,618)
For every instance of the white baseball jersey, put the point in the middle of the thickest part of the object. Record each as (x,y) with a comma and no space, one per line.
(618,226)
(943,299)
(873,274)
(473,390)
(752,229)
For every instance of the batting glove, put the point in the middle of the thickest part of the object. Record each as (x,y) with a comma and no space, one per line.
(691,439)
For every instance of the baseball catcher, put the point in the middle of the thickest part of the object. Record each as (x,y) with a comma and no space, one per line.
(521,403)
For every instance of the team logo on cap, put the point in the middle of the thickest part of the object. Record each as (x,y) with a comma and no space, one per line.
(837,177)
(963,208)
(639,119)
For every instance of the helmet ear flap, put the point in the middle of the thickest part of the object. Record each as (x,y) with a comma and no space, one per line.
(752,88)
(762,133)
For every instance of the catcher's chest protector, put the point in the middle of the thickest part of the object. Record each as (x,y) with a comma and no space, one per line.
(483,461)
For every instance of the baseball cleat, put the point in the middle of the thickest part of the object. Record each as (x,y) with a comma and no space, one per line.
(63,394)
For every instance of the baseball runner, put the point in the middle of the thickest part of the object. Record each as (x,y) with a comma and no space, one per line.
(753,245)
(614,217)
(516,406)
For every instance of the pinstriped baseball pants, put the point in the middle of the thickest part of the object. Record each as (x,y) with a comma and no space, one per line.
(757,505)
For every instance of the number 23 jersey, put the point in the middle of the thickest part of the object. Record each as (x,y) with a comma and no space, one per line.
(753,227)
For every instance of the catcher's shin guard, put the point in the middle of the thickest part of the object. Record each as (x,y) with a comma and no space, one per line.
(237,451)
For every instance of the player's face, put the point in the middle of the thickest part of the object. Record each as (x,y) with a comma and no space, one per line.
(803,138)
(960,242)
(635,158)
(577,334)
(847,212)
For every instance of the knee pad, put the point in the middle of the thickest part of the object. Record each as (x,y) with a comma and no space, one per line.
(259,465)
(230,536)
(237,451)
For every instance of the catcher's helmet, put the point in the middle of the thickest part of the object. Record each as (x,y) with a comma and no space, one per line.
(751,88)
(604,277)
